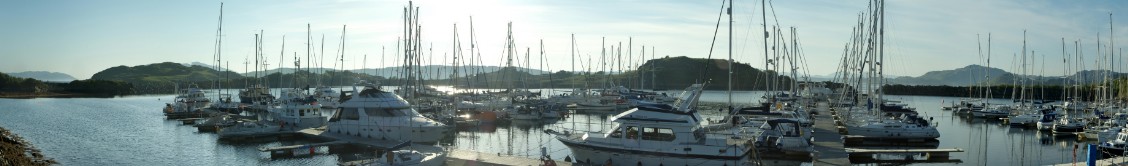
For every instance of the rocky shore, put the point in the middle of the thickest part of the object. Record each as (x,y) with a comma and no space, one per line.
(15,151)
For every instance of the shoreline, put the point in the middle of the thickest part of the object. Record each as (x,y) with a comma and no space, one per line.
(26,154)
(9,95)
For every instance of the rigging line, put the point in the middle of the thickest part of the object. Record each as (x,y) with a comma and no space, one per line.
(712,44)
(748,33)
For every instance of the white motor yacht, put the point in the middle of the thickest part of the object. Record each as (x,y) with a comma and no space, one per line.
(658,135)
(194,97)
(297,109)
(378,114)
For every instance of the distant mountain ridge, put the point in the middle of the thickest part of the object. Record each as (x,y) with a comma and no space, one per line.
(207,66)
(45,76)
(975,75)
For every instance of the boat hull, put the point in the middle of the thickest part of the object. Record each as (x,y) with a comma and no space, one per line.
(893,134)
(1109,152)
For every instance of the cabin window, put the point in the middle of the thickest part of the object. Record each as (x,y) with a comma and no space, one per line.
(399,112)
(350,113)
(337,115)
(632,132)
(658,134)
(618,133)
(379,112)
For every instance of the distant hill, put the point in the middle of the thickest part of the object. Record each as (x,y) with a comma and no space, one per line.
(968,75)
(162,72)
(165,77)
(429,72)
(667,73)
(831,76)
(206,65)
(44,76)
(284,70)
(975,74)
(432,72)
(680,72)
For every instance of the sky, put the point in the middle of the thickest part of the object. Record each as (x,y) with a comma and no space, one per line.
(81,38)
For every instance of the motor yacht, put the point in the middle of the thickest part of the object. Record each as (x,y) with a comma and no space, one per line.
(377,114)
(659,134)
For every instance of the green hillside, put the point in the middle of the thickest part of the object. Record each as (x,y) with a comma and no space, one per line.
(664,73)
(164,77)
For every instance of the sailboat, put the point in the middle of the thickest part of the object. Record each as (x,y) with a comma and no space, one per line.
(297,108)
(904,126)
(326,96)
(223,102)
(257,96)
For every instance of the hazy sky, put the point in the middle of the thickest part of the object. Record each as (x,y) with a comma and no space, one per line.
(84,37)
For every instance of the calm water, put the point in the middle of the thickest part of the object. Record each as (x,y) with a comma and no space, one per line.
(132,131)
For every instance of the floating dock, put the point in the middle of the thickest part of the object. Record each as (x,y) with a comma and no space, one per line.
(463,157)
(453,156)
(857,140)
(829,149)
(859,156)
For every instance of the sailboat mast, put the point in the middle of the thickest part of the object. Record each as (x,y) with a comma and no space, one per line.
(764,20)
(281,54)
(342,49)
(881,52)
(219,42)
(309,51)
(257,57)
(730,55)
(988,85)
(641,77)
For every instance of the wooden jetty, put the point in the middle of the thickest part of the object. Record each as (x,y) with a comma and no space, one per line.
(1122,160)
(831,139)
(182,115)
(289,151)
(857,140)
(860,156)
(829,149)
(464,157)
(453,156)
(189,121)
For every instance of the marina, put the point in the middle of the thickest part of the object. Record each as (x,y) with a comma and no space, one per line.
(467,97)
(514,141)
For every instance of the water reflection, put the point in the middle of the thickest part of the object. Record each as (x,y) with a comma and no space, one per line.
(131,131)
